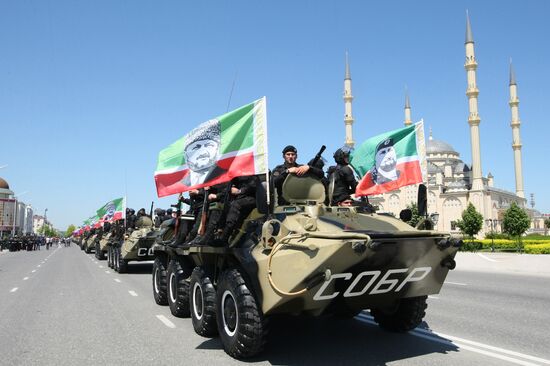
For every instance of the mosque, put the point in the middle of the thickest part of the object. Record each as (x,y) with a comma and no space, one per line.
(15,216)
(453,184)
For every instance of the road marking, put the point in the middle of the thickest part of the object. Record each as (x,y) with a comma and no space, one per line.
(34,270)
(433,297)
(117,280)
(14,289)
(166,322)
(487,258)
(455,283)
(133,293)
(26,278)
(101,267)
(38,266)
(473,346)
(108,272)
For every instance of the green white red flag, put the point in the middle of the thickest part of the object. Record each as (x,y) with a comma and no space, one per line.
(391,160)
(112,210)
(216,151)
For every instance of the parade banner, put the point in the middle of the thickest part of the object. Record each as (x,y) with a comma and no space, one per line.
(112,210)
(390,160)
(216,151)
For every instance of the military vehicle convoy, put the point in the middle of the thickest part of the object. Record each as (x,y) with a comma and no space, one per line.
(303,258)
(137,246)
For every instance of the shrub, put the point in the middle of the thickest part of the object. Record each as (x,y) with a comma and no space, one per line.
(537,248)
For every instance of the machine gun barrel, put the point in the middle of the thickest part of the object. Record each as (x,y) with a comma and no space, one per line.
(318,155)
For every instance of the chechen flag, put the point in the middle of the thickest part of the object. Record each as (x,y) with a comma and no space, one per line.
(391,160)
(112,210)
(216,151)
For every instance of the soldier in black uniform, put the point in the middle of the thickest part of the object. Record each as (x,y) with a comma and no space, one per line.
(195,202)
(216,194)
(243,200)
(342,179)
(290,154)
(130,219)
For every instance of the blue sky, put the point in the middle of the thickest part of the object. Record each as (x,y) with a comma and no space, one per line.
(91,91)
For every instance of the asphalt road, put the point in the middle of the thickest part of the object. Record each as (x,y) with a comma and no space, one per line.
(62,307)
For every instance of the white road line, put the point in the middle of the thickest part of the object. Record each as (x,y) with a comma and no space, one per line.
(133,293)
(39,266)
(117,280)
(14,289)
(101,267)
(166,322)
(468,345)
(26,278)
(34,270)
(108,272)
(433,297)
(455,283)
(487,258)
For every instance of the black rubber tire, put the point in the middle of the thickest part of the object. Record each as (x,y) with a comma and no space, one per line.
(178,288)
(122,264)
(202,303)
(160,287)
(115,258)
(100,255)
(88,250)
(407,315)
(109,253)
(241,323)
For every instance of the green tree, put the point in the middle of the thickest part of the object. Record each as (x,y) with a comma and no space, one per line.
(70,230)
(546,226)
(415,219)
(516,222)
(471,222)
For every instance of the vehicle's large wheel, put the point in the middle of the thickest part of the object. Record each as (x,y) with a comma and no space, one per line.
(97,251)
(202,303)
(122,264)
(241,323)
(160,288)
(109,257)
(407,315)
(178,287)
(116,253)
(88,249)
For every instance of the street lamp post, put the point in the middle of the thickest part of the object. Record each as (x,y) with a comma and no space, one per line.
(492,223)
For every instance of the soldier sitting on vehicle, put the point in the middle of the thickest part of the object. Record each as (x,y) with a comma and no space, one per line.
(243,201)
(342,179)
(290,154)
(214,214)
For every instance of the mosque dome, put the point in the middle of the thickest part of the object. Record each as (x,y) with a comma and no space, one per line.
(4,184)
(438,147)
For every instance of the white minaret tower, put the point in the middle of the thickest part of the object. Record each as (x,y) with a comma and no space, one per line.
(473,119)
(516,140)
(408,120)
(348,98)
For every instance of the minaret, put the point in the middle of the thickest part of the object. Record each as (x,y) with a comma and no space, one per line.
(516,140)
(407,121)
(348,98)
(473,118)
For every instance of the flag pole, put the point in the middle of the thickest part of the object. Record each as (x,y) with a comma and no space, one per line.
(268,189)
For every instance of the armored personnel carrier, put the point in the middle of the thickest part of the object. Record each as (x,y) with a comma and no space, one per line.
(101,245)
(137,246)
(90,243)
(303,258)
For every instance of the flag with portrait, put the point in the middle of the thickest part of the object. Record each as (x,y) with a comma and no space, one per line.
(231,145)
